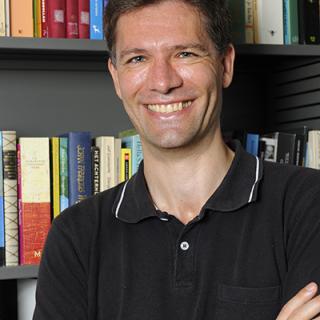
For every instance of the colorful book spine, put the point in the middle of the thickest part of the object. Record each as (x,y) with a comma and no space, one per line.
(56,19)
(55,148)
(79,166)
(9,147)
(125,164)
(252,143)
(21,18)
(2,236)
(134,143)
(35,215)
(2,19)
(72,19)
(84,19)
(44,18)
(37,18)
(95,152)
(96,19)
(64,173)
(290,22)
(249,21)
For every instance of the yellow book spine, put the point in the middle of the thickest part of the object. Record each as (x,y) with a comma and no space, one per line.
(55,175)
(125,164)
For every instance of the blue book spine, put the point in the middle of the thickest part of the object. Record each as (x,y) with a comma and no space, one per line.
(252,145)
(79,166)
(134,143)
(96,19)
(2,237)
(64,174)
(286,22)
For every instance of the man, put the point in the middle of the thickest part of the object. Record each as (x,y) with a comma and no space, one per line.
(204,230)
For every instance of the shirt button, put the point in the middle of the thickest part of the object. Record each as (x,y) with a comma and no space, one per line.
(184,245)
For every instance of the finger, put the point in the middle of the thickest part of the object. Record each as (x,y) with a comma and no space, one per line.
(307,311)
(302,297)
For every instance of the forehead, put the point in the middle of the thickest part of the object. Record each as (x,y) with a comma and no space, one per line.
(167,23)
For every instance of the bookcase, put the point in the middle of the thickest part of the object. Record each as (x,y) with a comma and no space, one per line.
(51,86)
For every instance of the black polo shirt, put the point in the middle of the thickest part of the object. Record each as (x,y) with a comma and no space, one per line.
(254,244)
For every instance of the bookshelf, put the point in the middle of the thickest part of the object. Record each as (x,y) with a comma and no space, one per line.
(51,86)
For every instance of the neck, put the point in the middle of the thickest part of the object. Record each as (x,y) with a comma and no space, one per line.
(181,181)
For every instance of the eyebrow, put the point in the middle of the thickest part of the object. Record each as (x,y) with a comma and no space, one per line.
(139,51)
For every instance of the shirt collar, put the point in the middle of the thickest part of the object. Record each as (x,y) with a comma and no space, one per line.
(239,187)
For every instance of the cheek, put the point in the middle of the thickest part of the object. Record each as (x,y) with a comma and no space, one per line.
(131,82)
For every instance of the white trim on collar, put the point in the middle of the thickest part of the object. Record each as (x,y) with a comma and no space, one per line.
(257,177)
(121,198)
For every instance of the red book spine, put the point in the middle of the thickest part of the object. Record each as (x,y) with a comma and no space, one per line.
(36,224)
(56,19)
(84,19)
(72,24)
(44,19)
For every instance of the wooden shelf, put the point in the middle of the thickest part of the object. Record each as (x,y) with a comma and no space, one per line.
(19,272)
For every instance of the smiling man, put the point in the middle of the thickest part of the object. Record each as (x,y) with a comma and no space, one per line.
(203,230)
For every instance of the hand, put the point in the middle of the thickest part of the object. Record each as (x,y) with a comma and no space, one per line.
(305,305)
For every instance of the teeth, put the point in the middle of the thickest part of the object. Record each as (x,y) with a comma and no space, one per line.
(167,108)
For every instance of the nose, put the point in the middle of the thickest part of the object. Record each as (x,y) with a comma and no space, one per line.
(163,77)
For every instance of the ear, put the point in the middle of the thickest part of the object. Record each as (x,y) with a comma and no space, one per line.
(114,74)
(228,64)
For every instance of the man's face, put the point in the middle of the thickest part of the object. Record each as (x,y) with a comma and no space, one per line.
(169,74)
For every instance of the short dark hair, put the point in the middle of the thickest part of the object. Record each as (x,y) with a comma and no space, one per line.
(216,16)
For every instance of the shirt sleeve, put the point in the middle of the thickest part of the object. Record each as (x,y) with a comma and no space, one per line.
(61,292)
(302,235)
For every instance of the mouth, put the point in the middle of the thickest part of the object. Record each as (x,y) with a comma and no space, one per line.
(170,107)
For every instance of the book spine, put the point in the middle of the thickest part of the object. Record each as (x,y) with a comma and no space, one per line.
(252,144)
(10,197)
(286,145)
(125,164)
(2,19)
(56,19)
(134,143)
(2,236)
(249,25)
(79,155)
(21,17)
(237,11)
(36,18)
(84,19)
(64,175)
(21,248)
(312,23)
(96,19)
(95,152)
(35,197)
(286,22)
(55,175)
(7,20)
(117,161)
(44,18)
(72,19)
(293,22)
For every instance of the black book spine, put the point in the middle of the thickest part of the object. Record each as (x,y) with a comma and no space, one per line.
(95,153)
(286,148)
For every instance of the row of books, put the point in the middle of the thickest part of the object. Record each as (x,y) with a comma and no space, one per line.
(299,146)
(41,176)
(276,21)
(52,19)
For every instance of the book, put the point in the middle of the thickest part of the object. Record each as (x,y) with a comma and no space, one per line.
(110,148)
(252,143)
(35,206)
(249,24)
(44,18)
(37,18)
(84,19)
(270,148)
(309,21)
(268,21)
(21,18)
(2,236)
(9,149)
(2,18)
(72,21)
(290,22)
(64,173)
(56,11)
(95,153)
(7,17)
(134,143)
(238,18)
(286,147)
(125,164)
(79,166)
(313,149)
(96,19)
(55,173)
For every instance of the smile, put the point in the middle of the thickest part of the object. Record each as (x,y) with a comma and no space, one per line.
(168,108)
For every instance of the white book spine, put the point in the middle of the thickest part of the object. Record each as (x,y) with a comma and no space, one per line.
(249,26)
(7,14)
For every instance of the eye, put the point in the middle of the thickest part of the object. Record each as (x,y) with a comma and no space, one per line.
(136,59)
(186,54)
